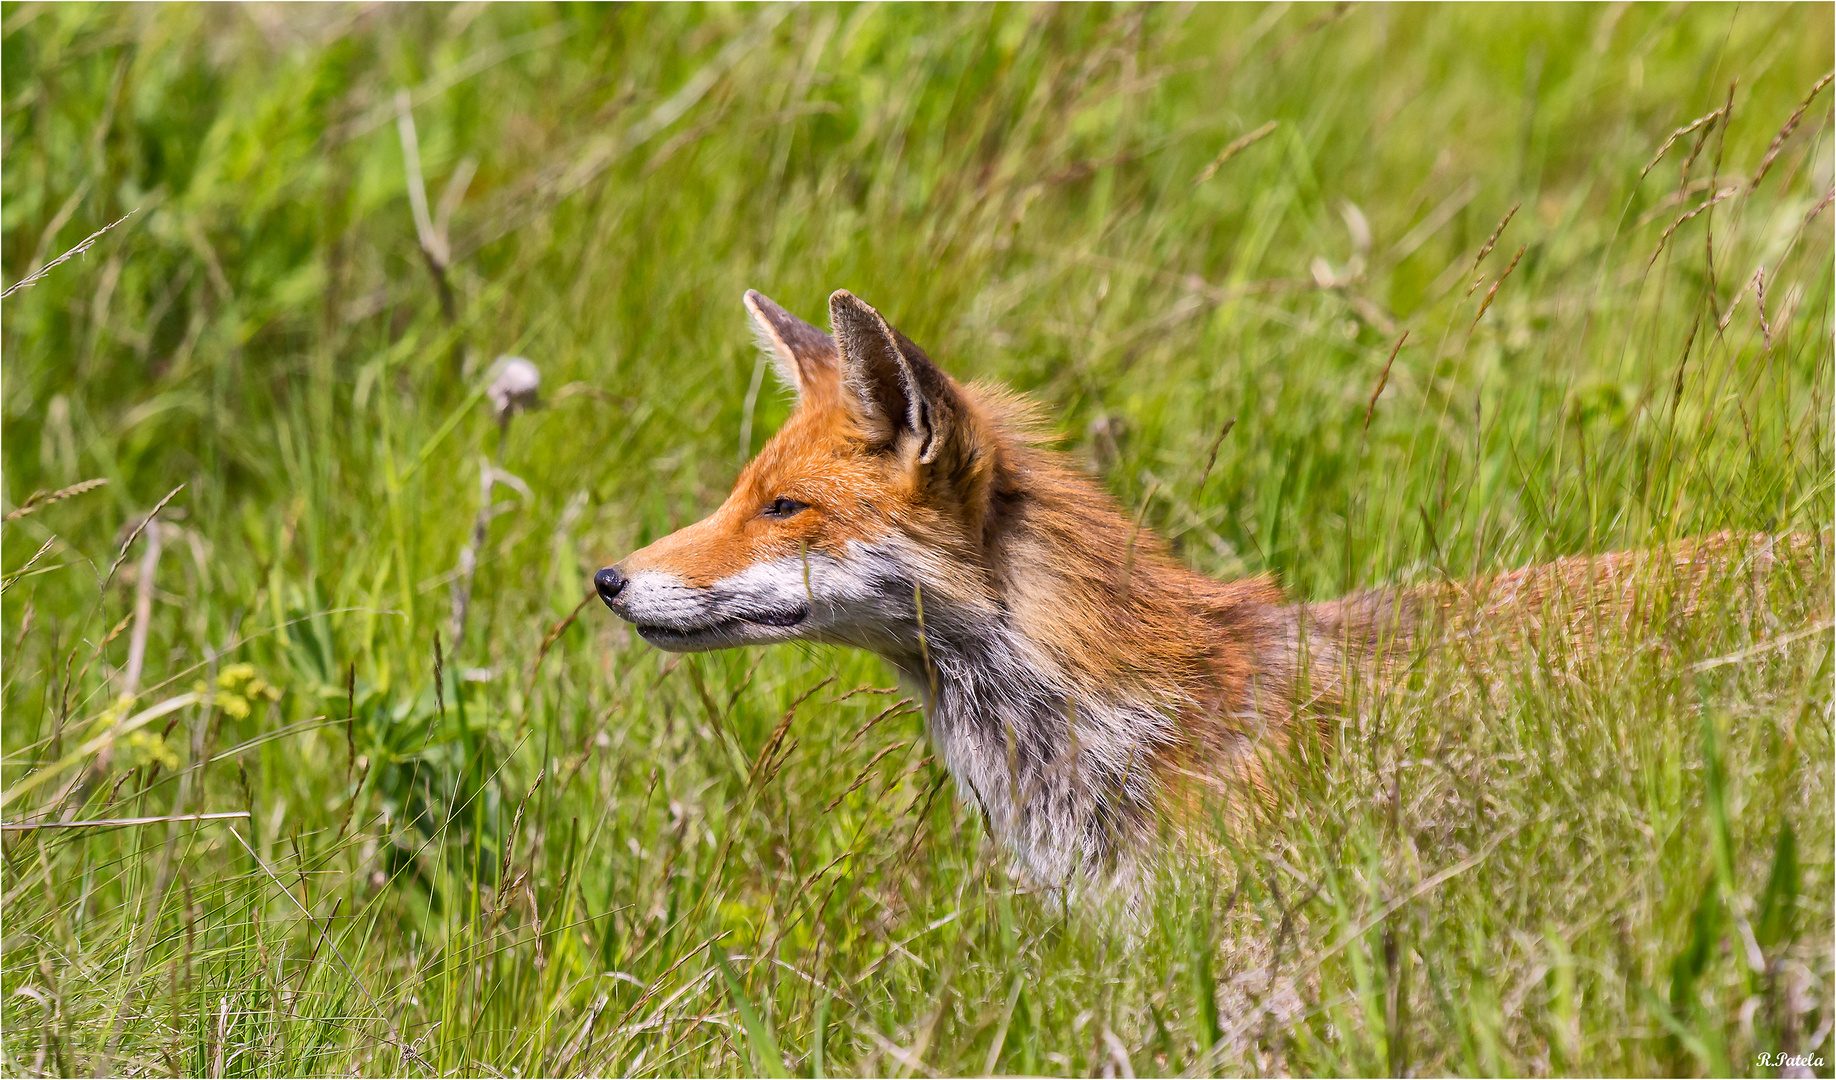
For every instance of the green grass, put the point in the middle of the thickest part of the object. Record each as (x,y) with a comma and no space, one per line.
(545,848)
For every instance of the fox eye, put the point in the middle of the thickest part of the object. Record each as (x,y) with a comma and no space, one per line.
(782,507)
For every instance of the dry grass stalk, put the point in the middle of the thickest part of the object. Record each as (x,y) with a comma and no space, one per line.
(1492,293)
(1791,124)
(1236,146)
(116,823)
(143,611)
(33,278)
(1486,248)
(1383,379)
(26,566)
(121,556)
(1720,196)
(38,500)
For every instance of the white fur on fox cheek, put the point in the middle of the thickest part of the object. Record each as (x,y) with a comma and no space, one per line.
(827,586)
(862,597)
(657,598)
(831,586)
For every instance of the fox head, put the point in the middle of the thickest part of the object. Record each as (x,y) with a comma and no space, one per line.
(859,519)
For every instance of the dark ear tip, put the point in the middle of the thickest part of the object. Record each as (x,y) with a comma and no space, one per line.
(844,306)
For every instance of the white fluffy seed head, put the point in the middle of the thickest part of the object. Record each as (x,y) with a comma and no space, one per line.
(514,382)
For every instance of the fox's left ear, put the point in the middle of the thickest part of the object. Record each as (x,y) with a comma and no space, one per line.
(889,383)
(805,357)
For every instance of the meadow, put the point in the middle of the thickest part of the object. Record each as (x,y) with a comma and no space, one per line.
(1353,295)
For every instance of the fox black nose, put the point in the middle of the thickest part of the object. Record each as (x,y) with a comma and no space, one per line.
(609,582)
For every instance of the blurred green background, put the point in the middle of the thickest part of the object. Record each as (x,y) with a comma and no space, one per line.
(536,846)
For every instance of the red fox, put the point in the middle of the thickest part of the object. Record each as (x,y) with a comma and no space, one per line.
(1080,686)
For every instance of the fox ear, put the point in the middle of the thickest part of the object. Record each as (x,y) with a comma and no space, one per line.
(889,383)
(805,357)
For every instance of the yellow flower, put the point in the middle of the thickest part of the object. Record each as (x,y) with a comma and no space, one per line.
(144,747)
(110,716)
(235,673)
(240,686)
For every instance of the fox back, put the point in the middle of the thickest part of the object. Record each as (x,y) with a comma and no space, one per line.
(1084,690)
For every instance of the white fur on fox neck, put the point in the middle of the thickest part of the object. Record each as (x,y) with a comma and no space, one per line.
(1060,769)
(1061,772)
